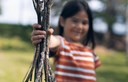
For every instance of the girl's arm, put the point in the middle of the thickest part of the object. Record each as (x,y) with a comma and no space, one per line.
(38,35)
(54,42)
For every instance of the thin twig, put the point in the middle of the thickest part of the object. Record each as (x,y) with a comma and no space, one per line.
(41,57)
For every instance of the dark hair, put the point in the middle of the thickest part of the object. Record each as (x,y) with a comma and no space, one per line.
(71,8)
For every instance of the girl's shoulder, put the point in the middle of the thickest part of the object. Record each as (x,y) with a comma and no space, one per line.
(88,48)
(73,46)
(58,36)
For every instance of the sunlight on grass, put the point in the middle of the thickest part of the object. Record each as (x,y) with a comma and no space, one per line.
(14,43)
(14,65)
(114,67)
(15,58)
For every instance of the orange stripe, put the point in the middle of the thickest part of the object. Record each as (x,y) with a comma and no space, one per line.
(88,62)
(66,57)
(75,64)
(68,51)
(60,78)
(74,72)
(71,59)
(75,54)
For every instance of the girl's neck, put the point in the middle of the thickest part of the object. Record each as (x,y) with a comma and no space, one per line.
(77,43)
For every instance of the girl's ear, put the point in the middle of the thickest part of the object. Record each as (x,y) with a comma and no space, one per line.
(62,22)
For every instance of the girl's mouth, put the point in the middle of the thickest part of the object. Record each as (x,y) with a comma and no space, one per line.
(77,32)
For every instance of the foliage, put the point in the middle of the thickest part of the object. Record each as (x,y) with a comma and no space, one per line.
(9,31)
(57,6)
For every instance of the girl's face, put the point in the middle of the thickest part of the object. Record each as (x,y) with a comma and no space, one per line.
(76,27)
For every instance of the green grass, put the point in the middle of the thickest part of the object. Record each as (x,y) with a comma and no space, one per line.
(14,43)
(16,57)
(114,67)
(14,65)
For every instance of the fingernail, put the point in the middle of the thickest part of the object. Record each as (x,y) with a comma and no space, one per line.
(39,26)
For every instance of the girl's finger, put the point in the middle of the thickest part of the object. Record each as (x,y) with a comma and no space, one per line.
(38,32)
(50,31)
(38,37)
(36,42)
(36,26)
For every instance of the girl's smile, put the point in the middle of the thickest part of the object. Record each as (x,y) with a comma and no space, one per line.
(75,27)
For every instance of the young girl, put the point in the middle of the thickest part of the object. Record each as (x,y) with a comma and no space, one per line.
(75,59)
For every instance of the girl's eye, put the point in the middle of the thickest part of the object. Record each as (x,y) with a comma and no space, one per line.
(75,20)
(84,22)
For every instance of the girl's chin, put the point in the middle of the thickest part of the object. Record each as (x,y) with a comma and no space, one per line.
(76,39)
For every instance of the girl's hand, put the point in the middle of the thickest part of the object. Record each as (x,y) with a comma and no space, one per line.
(38,35)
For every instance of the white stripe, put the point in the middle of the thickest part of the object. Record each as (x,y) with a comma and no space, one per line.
(66,53)
(76,57)
(76,52)
(76,69)
(76,75)
(84,58)
(63,45)
(82,53)
(66,47)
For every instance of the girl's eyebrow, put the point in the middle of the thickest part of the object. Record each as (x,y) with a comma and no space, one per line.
(77,18)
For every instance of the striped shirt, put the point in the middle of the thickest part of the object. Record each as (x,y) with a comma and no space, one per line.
(75,64)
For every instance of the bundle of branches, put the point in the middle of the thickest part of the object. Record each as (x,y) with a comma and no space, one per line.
(40,65)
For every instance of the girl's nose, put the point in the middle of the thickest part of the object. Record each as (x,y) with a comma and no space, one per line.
(79,25)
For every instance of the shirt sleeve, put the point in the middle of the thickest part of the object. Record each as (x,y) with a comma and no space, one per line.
(96,60)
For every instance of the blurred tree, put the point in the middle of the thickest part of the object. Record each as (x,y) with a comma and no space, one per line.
(114,9)
(127,31)
(57,6)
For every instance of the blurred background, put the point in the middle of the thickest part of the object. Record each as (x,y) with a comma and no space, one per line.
(110,27)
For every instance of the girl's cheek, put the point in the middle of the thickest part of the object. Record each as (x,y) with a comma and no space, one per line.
(87,28)
(73,25)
